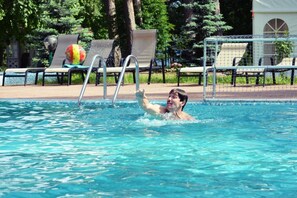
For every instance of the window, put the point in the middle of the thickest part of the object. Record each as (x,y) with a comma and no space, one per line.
(274,27)
(277,27)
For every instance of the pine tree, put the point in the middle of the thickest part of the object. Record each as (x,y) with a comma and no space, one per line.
(204,21)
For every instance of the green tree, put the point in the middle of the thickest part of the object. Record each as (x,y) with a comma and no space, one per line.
(17,18)
(204,21)
(283,48)
(155,16)
(94,14)
(57,17)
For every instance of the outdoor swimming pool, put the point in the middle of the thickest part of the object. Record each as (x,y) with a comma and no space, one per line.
(57,149)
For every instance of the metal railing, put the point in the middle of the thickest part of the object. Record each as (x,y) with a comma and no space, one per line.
(127,60)
(123,73)
(88,76)
(220,70)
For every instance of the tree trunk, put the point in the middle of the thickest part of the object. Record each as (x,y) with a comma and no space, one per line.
(218,9)
(130,21)
(2,48)
(218,12)
(111,14)
(188,12)
(138,16)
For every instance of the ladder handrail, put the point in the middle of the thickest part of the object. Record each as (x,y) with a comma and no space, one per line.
(88,76)
(122,75)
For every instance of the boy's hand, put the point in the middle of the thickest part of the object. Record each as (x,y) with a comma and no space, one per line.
(140,93)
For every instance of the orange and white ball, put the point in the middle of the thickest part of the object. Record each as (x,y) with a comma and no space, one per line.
(75,54)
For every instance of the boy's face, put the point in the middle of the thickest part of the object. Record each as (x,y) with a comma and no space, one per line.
(173,102)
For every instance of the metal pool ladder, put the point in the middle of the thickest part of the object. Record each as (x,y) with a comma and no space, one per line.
(130,57)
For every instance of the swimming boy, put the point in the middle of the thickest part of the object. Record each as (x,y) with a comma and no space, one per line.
(176,102)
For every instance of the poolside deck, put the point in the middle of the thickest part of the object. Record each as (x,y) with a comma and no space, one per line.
(127,92)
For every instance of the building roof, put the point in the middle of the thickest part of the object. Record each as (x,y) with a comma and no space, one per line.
(270,6)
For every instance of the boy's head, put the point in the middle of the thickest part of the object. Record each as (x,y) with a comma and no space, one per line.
(183,96)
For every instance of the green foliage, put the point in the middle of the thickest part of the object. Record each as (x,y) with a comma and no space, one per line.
(185,24)
(195,21)
(94,16)
(171,77)
(155,16)
(18,18)
(2,12)
(283,49)
(58,17)
(204,22)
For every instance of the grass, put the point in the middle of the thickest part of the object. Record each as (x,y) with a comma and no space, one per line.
(128,78)
(171,77)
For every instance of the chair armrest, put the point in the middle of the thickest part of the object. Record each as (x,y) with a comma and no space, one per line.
(110,62)
(64,61)
(263,58)
(237,60)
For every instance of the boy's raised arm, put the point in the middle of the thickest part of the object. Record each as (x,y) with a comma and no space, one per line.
(146,105)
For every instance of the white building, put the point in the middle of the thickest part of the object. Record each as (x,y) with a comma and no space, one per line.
(274,17)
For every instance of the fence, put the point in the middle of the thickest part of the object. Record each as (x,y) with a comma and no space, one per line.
(250,68)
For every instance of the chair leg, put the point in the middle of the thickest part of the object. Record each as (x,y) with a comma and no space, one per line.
(116,77)
(3,79)
(264,77)
(123,80)
(149,77)
(36,78)
(178,77)
(83,76)
(43,76)
(25,81)
(200,78)
(292,77)
(163,71)
(273,77)
(97,78)
(62,78)
(134,79)
(257,79)
(69,78)
(58,78)
(234,79)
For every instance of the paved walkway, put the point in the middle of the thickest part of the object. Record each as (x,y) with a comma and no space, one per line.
(153,91)
(126,92)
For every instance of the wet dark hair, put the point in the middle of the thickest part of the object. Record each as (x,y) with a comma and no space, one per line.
(183,96)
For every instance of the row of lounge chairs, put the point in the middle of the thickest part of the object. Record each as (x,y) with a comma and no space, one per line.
(143,48)
(231,65)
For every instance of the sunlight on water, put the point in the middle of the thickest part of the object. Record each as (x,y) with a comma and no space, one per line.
(149,120)
(57,149)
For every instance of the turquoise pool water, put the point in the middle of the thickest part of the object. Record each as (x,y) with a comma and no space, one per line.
(57,149)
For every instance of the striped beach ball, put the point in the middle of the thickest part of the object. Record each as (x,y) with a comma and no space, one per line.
(75,54)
